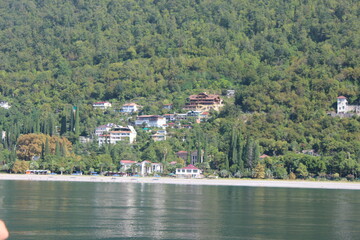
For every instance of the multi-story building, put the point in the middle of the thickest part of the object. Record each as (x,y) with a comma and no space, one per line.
(204,102)
(151,121)
(112,134)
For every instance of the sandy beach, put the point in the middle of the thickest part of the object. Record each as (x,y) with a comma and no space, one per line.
(165,180)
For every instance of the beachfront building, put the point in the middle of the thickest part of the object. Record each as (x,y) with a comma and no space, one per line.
(126,164)
(102,105)
(204,102)
(146,168)
(189,171)
(151,121)
(112,134)
(130,108)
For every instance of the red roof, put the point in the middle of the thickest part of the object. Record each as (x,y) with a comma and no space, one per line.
(127,161)
(264,156)
(181,152)
(341,97)
(190,166)
(173,162)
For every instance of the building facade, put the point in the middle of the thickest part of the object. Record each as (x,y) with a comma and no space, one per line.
(151,121)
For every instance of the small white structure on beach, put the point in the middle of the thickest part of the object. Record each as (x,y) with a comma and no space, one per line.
(190,171)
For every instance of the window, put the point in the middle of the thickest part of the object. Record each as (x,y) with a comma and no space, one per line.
(195,171)
(188,171)
(183,170)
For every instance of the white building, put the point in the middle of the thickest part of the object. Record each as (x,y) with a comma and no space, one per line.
(343,107)
(147,167)
(126,164)
(151,121)
(160,135)
(102,105)
(129,108)
(115,134)
(190,171)
(4,104)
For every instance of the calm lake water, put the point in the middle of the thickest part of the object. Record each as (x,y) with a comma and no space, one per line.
(70,210)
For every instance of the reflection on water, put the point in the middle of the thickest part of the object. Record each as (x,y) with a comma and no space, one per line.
(63,210)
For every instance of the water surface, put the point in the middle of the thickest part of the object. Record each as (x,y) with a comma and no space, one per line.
(80,210)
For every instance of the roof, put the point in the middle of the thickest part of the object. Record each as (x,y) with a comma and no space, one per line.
(130,104)
(341,97)
(173,162)
(179,152)
(264,156)
(127,161)
(100,102)
(190,166)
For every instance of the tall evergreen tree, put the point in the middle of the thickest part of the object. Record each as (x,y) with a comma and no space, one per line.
(63,128)
(77,123)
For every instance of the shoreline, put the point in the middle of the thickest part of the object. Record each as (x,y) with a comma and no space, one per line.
(203,182)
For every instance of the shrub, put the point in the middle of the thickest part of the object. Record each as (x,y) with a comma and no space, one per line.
(292,176)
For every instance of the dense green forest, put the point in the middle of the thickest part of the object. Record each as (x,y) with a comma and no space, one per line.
(288,60)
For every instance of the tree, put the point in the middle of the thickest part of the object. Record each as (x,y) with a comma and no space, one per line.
(302,171)
(259,171)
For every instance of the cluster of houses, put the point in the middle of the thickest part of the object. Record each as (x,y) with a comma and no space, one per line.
(197,107)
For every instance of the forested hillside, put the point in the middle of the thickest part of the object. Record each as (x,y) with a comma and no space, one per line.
(287,60)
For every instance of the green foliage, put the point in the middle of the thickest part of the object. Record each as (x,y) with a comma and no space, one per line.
(287,61)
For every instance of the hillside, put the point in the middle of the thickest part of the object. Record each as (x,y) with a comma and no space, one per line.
(287,61)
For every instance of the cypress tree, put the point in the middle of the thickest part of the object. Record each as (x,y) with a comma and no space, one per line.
(63,128)
(248,153)
(47,147)
(205,150)
(71,119)
(57,149)
(188,161)
(240,160)
(256,154)
(63,149)
(77,123)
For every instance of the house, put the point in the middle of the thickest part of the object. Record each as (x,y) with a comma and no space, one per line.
(151,121)
(343,107)
(130,108)
(190,171)
(4,104)
(146,167)
(103,128)
(160,135)
(263,156)
(115,134)
(204,102)
(126,164)
(102,105)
